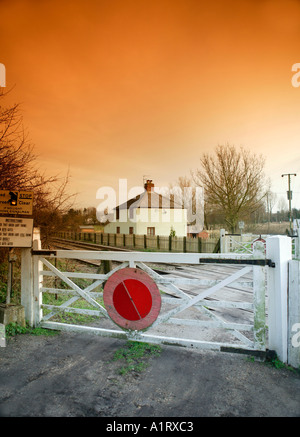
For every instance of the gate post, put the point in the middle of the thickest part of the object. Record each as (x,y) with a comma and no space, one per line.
(279,250)
(259,299)
(222,241)
(297,239)
(30,282)
(26,284)
(294,314)
(37,282)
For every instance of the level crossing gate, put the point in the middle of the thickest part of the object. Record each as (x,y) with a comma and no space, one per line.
(179,314)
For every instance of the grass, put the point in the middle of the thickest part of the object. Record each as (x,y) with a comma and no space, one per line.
(67,317)
(74,319)
(274,362)
(59,298)
(16,284)
(277,364)
(13,329)
(135,355)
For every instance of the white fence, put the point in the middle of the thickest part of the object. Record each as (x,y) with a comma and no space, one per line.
(271,267)
(147,242)
(243,243)
(42,267)
(293,333)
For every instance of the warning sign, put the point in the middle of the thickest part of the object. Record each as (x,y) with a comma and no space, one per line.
(132,299)
(16,202)
(16,232)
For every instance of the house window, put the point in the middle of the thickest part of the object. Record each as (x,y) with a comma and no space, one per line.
(118,229)
(151,231)
(131,230)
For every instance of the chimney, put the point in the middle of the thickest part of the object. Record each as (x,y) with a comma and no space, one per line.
(148,185)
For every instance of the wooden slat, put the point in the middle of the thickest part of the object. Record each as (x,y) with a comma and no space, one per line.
(75,287)
(202,295)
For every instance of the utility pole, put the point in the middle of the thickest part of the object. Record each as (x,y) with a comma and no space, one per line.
(289,195)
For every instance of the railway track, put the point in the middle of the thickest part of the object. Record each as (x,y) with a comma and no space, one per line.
(69,244)
(60,243)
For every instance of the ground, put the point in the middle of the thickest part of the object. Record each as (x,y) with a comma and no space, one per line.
(74,375)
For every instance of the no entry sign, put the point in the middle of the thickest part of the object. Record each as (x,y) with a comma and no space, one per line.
(132,299)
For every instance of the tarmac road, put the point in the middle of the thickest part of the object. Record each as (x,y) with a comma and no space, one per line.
(73,375)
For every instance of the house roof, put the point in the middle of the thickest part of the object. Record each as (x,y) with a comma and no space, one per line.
(150,199)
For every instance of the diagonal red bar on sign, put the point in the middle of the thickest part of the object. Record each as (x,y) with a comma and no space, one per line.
(131,300)
(123,304)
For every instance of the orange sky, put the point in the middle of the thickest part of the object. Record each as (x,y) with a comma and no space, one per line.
(120,89)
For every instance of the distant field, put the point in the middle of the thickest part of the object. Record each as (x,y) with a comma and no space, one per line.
(268,228)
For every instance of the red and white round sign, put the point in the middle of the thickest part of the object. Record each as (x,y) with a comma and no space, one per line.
(132,299)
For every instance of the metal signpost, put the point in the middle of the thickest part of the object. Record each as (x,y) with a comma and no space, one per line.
(16,226)
(16,202)
(16,232)
(241,226)
(15,229)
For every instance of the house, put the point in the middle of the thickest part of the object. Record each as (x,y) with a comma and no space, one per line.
(149,213)
(194,232)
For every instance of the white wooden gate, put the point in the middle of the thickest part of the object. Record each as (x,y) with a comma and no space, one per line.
(238,243)
(183,318)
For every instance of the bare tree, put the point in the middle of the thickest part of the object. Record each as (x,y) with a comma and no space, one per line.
(233,182)
(282,205)
(51,203)
(270,201)
(190,197)
(17,158)
(18,171)
(16,154)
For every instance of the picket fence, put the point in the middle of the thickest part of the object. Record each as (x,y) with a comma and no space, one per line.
(148,242)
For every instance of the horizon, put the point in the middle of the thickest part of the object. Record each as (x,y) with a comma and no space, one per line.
(128,90)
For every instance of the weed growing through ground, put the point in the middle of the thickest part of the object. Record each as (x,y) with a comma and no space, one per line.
(135,355)
(13,329)
(274,361)
(277,364)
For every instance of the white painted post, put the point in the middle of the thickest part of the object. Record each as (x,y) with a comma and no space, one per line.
(297,246)
(294,314)
(37,280)
(279,250)
(26,284)
(222,241)
(259,298)
(297,239)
